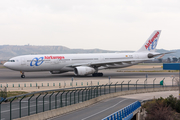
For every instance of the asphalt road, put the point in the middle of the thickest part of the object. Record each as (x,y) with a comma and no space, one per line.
(104,108)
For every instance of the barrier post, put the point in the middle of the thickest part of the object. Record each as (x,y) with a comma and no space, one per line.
(91,90)
(86,95)
(42,84)
(153,82)
(100,89)
(120,115)
(61,97)
(37,103)
(50,100)
(105,89)
(97,91)
(70,95)
(110,88)
(115,86)
(29,104)
(24,84)
(78,95)
(11,107)
(121,85)
(66,97)
(82,94)
(136,83)
(94,92)
(20,105)
(128,84)
(56,100)
(43,100)
(75,96)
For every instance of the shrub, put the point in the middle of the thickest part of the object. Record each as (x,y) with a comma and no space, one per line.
(163,109)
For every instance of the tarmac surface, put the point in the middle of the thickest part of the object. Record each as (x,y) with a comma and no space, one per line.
(7,75)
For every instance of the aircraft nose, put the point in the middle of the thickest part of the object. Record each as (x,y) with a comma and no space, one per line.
(6,65)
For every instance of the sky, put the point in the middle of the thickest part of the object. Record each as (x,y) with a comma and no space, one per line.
(87,24)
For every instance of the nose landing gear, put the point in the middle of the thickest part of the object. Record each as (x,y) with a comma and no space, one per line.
(22,74)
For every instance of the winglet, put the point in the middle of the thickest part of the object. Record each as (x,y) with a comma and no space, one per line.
(151,42)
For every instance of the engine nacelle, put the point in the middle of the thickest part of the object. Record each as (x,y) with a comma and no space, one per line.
(57,72)
(83,70)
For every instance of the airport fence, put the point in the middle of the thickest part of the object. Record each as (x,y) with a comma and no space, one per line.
(36,102)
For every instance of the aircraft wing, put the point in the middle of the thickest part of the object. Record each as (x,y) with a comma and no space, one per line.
(104,63)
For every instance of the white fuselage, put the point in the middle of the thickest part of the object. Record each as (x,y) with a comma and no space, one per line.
(63,62)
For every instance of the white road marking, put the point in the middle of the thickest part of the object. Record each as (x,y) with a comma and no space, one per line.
(103,110)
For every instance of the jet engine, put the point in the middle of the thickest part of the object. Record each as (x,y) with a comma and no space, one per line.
(83,70)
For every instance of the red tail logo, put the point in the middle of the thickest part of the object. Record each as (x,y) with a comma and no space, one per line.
(151,41)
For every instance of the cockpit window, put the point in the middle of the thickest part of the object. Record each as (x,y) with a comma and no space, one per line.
(11,60)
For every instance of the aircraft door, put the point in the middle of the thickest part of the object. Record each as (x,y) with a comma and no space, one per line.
(23,61)
(136,56)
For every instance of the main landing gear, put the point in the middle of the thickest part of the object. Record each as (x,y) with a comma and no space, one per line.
(97,74)
(22,74)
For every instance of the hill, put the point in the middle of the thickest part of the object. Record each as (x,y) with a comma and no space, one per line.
(8,51)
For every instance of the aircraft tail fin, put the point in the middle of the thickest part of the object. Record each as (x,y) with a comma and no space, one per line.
(151,42)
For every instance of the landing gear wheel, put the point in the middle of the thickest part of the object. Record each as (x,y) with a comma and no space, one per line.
(22,76)
(97,74)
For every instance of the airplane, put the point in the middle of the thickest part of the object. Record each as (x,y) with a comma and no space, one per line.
(84,64)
